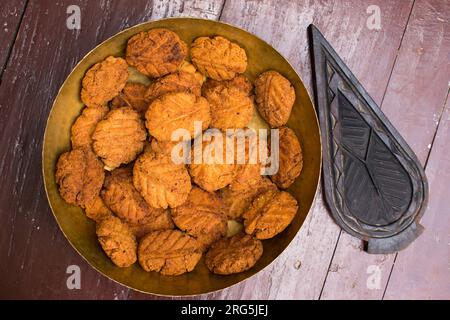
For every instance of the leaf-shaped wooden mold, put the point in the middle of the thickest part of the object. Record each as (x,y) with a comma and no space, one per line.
(374,184)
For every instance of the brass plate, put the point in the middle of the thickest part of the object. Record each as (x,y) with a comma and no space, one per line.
(80,231)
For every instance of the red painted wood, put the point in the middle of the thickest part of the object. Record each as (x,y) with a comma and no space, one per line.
(413,103)
(10,17)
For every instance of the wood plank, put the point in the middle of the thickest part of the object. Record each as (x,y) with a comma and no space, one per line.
(422,270)
(34,252)
(299,273)
(10,17)
(413,103)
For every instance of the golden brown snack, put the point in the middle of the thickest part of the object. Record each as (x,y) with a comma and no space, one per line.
(249,165)
(162,221)
(182,148)
(161,182)
(189,67)
(117,241)
(80,176)
(269,214)
(84,126)
(132,95)
(176,110)
(275,97)
(237,199)
(240,82)
(120,137)
(156,52)
(218,58)
(291,159)
(201,216)
(169,252)
(231,107)
(233,255)
(174,82)
(209,172)
(104,81)
(126,202)
(247,182)
(97,210)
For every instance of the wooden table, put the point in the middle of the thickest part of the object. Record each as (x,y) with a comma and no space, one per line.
(405,66)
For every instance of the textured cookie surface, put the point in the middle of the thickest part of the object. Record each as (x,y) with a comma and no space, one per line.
(156,53)
(231,106)
(117,241)
(233,255)
(175,82)
(209,167)
(161,221)
(120,137)
(174,111)
(218,58)
(161,182)
(126,202)
(97,210)
(104,81)
(80,176)
(290,159)
(269,214)
(201,216)
(275,97)
(169,252)
(132,95)
(237,200)
(84,126)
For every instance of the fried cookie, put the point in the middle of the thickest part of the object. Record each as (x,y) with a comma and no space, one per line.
(132,95)
(231,107)
(80,176)
(240,82)
(162,221)
(126,202)
(174,82)
(176,110)
(84,126)
(218,58)
(179,149)
(291,159)
(233,255)
(156,52)
(269,214)
(161,182)
(104,81)
(201,216)
(120,137)
(247,181)
(117,241)
(275,97)
(97,210)
(249,155)
(169,252)
(237,199)
(209,167)
(189,68)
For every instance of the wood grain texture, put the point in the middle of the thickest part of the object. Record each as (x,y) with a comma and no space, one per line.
(299,273)
(413,103)
(34,253)
(10,17)
(422,270)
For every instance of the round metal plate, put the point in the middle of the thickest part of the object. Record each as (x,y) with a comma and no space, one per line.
(80,231)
